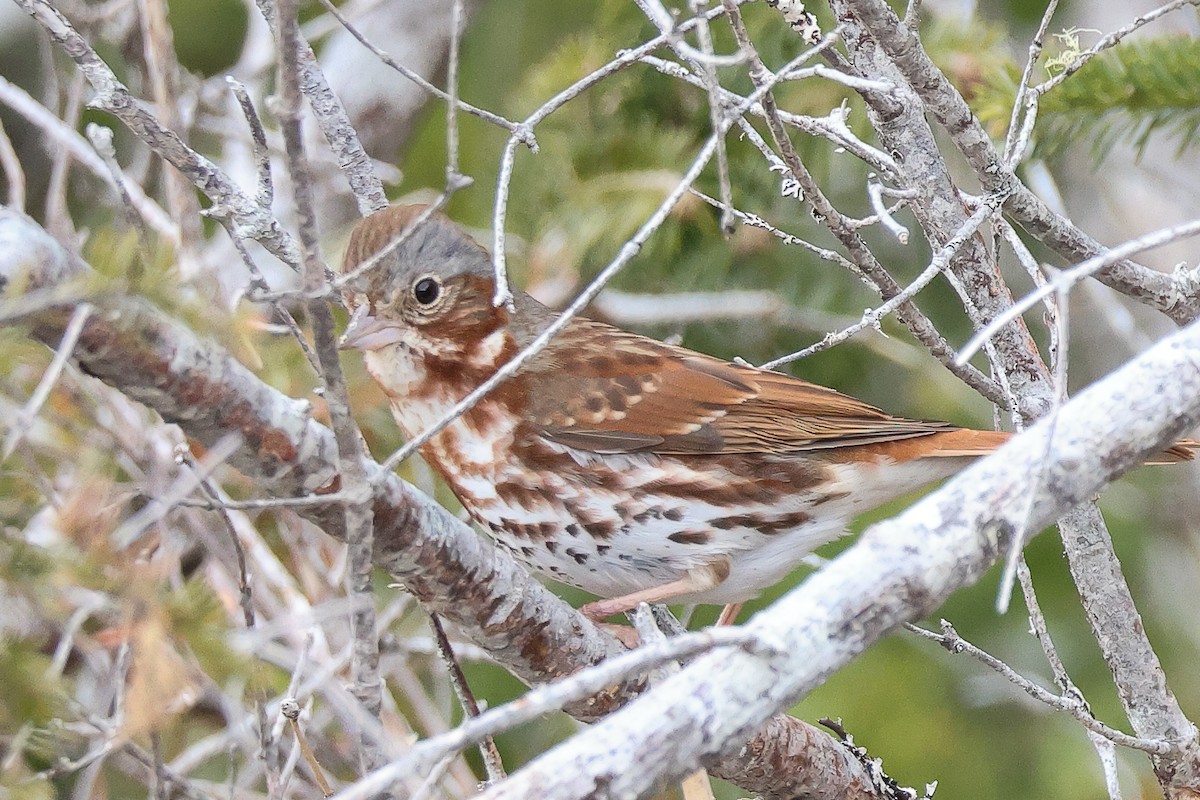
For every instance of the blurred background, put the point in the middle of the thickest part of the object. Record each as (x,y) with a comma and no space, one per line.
(606,161)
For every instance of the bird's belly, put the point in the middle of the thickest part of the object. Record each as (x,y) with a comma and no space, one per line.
(617,524)
(853,489)
(611,546)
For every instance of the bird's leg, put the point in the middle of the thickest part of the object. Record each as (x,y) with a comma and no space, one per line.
(696,786)
(729,613)
(625,634)
(696,580)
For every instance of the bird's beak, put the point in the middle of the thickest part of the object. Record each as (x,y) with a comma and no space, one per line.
(368,332)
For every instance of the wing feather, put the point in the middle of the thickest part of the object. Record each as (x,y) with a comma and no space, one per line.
(601,389)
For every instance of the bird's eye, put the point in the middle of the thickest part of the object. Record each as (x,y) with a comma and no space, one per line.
(426,290)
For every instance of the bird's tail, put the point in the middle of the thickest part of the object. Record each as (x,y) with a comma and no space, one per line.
(966,442)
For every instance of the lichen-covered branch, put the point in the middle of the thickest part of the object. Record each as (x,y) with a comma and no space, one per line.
(249,219)
(1179,301)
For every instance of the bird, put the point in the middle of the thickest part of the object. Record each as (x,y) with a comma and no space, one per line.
(636,470)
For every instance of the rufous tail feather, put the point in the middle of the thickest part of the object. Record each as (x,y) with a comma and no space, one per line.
(967,442)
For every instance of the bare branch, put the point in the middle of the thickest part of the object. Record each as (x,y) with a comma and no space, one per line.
(334,123)
(67,137)
(14,174)
(846,232)
(951,111)
(950,639)
(1111,40)
(357,509)
(249,219)
(1148,701)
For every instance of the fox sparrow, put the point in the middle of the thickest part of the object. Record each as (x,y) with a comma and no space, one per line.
(633,469)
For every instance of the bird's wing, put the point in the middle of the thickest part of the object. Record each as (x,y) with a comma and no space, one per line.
(601,389)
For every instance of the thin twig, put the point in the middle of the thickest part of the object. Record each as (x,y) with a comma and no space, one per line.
(14,175)
(111,95)
(163,74)
(431,780)
(882,213)
(259,289)
(624,59)
(1012,153)
(71,142)
(483,114)
(101,138)
(265,193)
(163,503)
(58,218)
(1057,311)
(358,510)
(872,317)
(954,643)
(1069,277)
(23,420)
(756,221)
(245,595)
(712,85)
(1037,624)
(291,710)
(487,745)
(1110,40)
(332,119)
(553,696)
(832,127)
(453,177)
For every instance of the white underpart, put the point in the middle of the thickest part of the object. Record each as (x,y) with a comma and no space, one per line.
(779,554)
(756,560)
(490,349)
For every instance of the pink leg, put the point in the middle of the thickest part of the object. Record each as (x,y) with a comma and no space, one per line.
(729,614)
(698,580)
